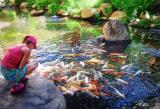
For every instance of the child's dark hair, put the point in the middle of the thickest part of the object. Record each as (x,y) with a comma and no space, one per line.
(25,40)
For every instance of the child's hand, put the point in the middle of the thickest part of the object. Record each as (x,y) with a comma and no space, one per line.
(34,64)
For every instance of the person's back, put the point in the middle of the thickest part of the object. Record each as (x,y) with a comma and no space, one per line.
(13,57)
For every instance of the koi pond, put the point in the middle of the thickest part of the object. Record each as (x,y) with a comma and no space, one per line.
(88,76)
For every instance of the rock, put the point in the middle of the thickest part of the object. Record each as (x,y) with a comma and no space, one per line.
(85,24)
(153,25)
(39,94)
(60,12)
(114,30)
(117,15)
(115,46)
(103,6)
(37,12)
(23,5)
(88,12)
(76,16)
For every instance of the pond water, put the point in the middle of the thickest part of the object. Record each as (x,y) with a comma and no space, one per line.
(54,42)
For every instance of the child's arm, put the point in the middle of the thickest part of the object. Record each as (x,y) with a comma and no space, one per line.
(26,54)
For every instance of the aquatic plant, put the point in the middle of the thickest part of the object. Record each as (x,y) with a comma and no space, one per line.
(71,24)
(8,37)
(90,32)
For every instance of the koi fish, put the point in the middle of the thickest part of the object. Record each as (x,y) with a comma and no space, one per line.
(82,64)
(108,71)
(126,66)
(118,92)
(122,81)
(71,78)
(104,94)
(86,80)
(66,91)
(105,65)
(138,72)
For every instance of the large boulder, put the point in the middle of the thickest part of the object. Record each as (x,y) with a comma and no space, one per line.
(115,37)
(39,94)
(115,30)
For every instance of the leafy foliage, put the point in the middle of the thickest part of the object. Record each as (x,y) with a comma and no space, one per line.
(44,3)
(132,7)
(77,5)
(30,3)
(107,11)
(147,22)
(53,8)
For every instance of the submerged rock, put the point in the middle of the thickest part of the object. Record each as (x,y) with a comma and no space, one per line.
(39,94)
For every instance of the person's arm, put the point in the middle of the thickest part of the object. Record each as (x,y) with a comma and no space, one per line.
(26,54)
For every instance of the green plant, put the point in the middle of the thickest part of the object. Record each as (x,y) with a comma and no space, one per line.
(107,11)
(100,2)
(9,14)
(6,2)
(147,22)
(53,8)
(41,4)
(30,3)
(18,2)
(143,5)
(77,5)
(24,14)
(132,7)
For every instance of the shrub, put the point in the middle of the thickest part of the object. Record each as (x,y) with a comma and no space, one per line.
(53,8)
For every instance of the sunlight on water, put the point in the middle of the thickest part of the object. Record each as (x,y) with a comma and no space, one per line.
(21,27)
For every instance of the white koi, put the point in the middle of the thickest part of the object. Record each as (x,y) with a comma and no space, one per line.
(126,66)
(122,81)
